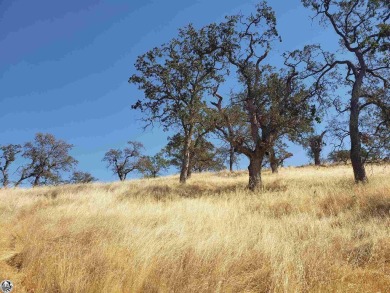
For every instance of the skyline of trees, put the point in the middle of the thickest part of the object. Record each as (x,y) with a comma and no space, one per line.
(150,166)
(276,102)
(268,107)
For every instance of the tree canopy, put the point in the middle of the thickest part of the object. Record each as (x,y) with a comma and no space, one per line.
(124,161)
(47,158)
(363,29)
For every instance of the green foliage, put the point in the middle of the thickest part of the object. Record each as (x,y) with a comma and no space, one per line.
(339,156)
(151,166)
(79,177)
(277,154)
(8,155)
(175,76)
(47,157)
(204,156)
(124,161)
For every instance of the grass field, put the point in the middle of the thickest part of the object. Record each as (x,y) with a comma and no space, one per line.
(310,230)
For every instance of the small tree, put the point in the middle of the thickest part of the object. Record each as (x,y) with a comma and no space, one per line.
(122,162)
(152,166)
(342,156)
(79,177)
(204,155)
(229,155)
(8,155)
(375,133)
(315,144)
(48,157)
(339,156)
(277,155)
(372,155)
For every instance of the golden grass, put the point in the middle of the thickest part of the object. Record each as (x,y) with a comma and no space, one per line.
(310,230)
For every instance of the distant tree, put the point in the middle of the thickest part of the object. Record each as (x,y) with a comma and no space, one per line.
(343,156)
(8,155)
(122,162)
(79,177)
(228,154)
(372,155)
(363,29)
(174,78)
(339,156)
(204,155)
(151,166)
(375,134)
(174,149)
(276,156)
(315,145)
(47,158)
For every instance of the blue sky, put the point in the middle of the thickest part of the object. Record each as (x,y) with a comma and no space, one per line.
(64,66)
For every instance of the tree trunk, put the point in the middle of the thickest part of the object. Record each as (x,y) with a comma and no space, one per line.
(186,159)
(36,181)
(255,164)
(273,162)
(190,166)
(356,160)
(189,172)
(5,179)
(317,159)
(231,158)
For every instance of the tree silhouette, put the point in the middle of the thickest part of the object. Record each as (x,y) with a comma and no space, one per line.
(122,162)
(8,155)
(364,34)
(174,78)
(47,158)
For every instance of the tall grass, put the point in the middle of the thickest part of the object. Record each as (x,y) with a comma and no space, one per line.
(310,230)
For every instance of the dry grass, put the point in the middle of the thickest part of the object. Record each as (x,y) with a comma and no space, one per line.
(310,230)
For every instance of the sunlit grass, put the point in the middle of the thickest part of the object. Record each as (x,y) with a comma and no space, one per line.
(310,230)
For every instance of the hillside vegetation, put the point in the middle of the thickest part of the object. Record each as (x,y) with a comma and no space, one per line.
(310,230)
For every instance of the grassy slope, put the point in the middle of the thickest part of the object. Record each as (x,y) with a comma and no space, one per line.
(311,230)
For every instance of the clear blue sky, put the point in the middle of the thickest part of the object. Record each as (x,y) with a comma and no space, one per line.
(64,66)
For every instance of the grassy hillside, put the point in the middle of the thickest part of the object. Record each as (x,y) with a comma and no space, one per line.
(311,230)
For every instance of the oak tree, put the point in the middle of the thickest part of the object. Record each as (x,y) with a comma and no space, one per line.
(79,177)
(276,155)
(204,156)
(174,78)
(124,161)
(47,158)
(273,107)
(363,29)
(152,166)
(8,155)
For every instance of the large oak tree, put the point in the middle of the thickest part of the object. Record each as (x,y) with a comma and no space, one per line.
(174,78)
(273,103)
(363,29)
